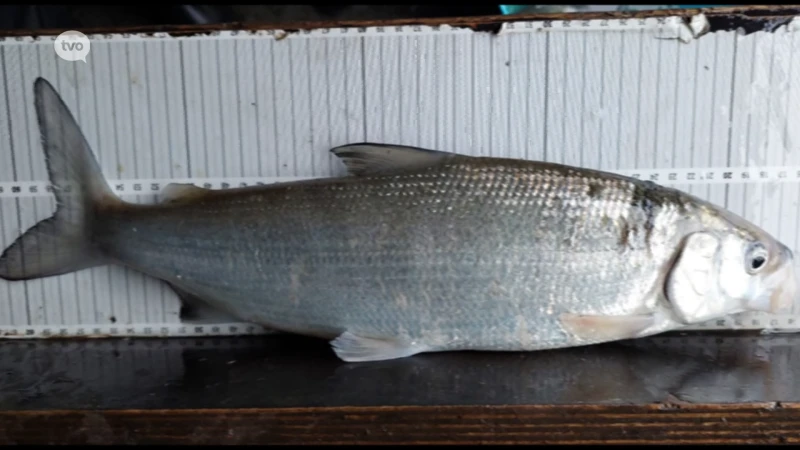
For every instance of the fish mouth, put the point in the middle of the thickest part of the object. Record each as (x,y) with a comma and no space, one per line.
(788,255)
(783,296)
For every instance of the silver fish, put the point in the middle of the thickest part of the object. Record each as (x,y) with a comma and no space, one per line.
(415,250)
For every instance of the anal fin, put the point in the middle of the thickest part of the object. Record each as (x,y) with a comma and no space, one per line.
(353,348)
(606,328)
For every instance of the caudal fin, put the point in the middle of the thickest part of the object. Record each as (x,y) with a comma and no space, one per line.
(61,243)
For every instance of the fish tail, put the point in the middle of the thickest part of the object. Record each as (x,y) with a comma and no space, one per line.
(63,242)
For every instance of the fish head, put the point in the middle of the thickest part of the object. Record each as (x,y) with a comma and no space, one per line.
(731,269)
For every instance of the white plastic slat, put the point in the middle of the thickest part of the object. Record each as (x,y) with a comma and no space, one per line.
(713,116)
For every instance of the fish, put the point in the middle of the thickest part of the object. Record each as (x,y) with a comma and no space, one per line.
(414,250)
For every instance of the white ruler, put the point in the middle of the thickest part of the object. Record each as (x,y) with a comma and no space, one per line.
(690,176)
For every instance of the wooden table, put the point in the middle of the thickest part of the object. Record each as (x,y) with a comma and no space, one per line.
(281,389)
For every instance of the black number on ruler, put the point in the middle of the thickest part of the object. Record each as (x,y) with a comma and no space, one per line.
(242,184)
(547,24)
(710,176)
(379,29)
(727,175)
(49,188)
(586,23)
(764,174)
(80,332)
(148,330)
(528,24)
(417,28)
(33,189)
(642,22)
(46,332)
(120,187)
(225,185)
(721,323)
(233,329)
(215,329)
(636,175)
(745,175)
(398,29)
(131,330)
(137,187)
(154,186)
(29,332)
(207,185)
(97,331)
(604,23)
(565,23)
(16,189)
(672,176)
(198,329)
(653,177)
(182,330)
(113,331)
(62,332)
(691,176)
(164,330)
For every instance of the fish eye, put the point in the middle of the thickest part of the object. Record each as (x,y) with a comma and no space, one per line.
(756,258)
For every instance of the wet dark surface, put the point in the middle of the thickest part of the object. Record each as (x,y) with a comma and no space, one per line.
(287,371)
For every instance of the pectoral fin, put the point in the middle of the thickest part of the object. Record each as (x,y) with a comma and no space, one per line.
(352,348)
(369,159)
(606,328)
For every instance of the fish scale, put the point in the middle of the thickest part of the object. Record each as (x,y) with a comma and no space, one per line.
(357,263)
(415,250)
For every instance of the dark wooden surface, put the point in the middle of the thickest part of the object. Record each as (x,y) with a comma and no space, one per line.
(593,424)
(719,388)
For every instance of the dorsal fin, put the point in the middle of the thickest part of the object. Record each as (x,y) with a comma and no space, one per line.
(182,192)
(367,158)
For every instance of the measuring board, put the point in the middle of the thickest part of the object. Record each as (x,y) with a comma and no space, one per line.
(714,114)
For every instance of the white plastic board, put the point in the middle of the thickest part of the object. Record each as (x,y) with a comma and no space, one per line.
(716,114)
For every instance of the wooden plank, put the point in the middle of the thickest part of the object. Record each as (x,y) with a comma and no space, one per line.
(720,17)
(527,424)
